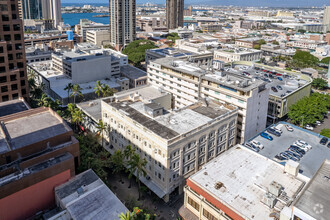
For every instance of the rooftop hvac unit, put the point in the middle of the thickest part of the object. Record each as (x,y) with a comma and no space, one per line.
(269,200)
(275,188)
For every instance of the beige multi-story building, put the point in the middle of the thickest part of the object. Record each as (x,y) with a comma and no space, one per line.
(284,14)
(237,54)
(326,19)
(98,37)
(13,78)
(259,13)
(175,143)
(122,22)
(247,42)
(190,82)
(174,13)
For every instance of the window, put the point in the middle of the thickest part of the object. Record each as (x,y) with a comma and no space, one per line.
(208,215)
(193,203)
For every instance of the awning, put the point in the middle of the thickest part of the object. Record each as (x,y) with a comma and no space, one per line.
(153,187)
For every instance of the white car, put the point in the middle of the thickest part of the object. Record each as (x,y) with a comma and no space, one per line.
(257,144)
(309,127)
(303,144)
(277,129)
(318,123)
(289,128)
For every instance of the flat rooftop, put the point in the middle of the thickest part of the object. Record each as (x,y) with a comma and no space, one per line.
(239,51)
(246,177)
(30,128)
(147,92)
(92,109)
(12,107)
(85,196)
(174,123)
(310,162)
(316,196)
(228,79)
(132,72)
(289,83)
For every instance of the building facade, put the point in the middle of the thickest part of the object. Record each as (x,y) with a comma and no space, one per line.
(326,19)
(13,77)
(98,37)
(174,13)
(237,55)
(174,143)
(188,83)
(122,22)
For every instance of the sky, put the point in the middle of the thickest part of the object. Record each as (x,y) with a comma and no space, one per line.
(270,3)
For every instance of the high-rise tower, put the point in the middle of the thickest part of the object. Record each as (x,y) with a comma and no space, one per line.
(174,13)
(122,14)
(326,18)
(13,79)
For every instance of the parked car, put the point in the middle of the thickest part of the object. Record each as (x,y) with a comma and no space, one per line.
(267,136)
(279,87)
(280,78)
(274,89)
(277,129)
(296,152)
(289,128)
(257,144)
(324,141)
(328,145)
(252,147)
(284,155)
(279,157)
(309,127)
(292,156)
(274,132)
(298,149)
(302,144)
(318,123)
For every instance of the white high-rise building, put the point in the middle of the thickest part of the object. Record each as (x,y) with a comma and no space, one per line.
(326,19)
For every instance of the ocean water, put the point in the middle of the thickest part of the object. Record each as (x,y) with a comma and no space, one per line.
(74,18)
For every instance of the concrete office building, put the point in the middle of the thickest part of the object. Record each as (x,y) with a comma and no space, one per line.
(122,22)
(237,54)
(85,196)
(326,19)
(174,13)
(98,37)
(13,77)
(37,152)
(87,25)
(42,10)
(175,143)
(241,184)
(190,82)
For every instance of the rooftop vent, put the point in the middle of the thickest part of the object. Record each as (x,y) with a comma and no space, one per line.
(275,188)
(269,200)
(219,185)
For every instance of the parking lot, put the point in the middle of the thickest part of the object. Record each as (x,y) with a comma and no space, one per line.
(313,158)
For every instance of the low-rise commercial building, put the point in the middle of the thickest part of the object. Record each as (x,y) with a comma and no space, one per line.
(190,82)
(98,37)
(174,143)
(86,25)
(306,44)
(37,153)
(237,54)
(247,42)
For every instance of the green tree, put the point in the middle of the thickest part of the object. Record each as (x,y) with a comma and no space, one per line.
(319,83)
(325,132)
(128,153)
(69,88)
(76,91)
(302,31)
(261,42)
(137,165)
(173,37)
(276,42)
(136,50)
(326,60)
(125,216)
(118,163)
(107,91)
(77,117)
(98,88)
(101,127)
(44,100)
(303,59)
(257,47)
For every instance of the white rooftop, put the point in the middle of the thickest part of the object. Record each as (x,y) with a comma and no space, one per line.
(246,176)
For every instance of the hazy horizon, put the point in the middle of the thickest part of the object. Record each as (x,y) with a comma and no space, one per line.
(256,3)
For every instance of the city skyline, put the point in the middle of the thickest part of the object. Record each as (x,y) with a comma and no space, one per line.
(260,3)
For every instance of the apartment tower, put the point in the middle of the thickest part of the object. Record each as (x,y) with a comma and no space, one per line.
(122,14)
(174,13)
(326,18)
(13,78)
(41,10)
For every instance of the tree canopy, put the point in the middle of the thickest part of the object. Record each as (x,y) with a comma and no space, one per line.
(325,132)
(319,83)
(136,50)
(309,109)
(325,60)
(303,59)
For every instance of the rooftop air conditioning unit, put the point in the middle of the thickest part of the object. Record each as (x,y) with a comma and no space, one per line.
(275,188)
(269,200)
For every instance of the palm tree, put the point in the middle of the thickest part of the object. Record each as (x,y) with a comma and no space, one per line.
(98,88)
(44,100)
(101,127)
(77,117)
(107,91)
(118,163)
(125,216)
(137,165)
(76,91)
(69,88)
(128,153)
